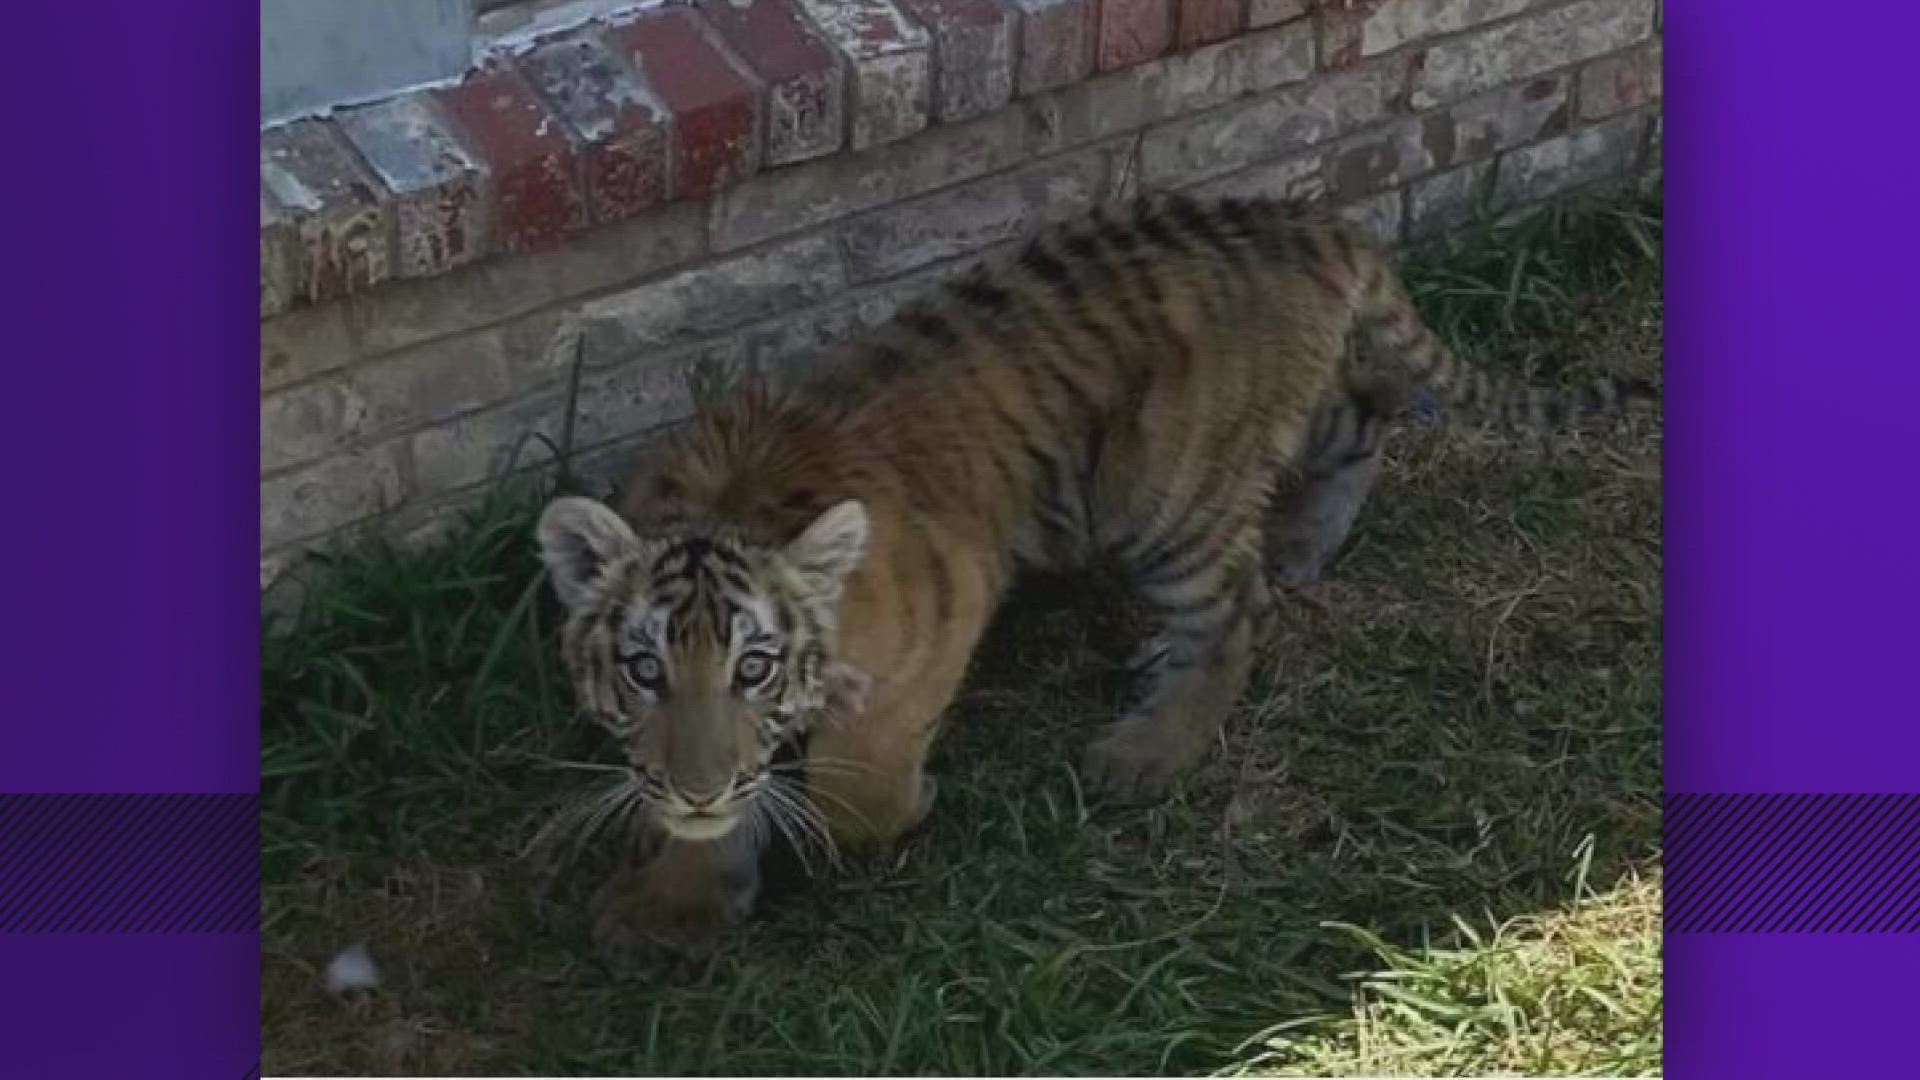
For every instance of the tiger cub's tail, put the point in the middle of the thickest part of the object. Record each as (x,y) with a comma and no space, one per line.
(1389,326)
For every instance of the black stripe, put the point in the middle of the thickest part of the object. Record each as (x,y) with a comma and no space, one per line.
(1078,397)
(1055,504)
(1150,285)
(977,290)
(1169,546)
(930,325)
(724,609)
(1239,214)
(1096,449)
(678,613)
(1321,429)
(1088,323)
(1317,263)
(1048,467)
(1129,313)
(1197,223)
(1006,419)
(1044,265)
(1153,325)
(1119,235)
(1182,562)
(727,556)
(943,586)
(1212,547)
(1009,486)
(1205,514)
(886,361)
(1156,230)
(1055,425)
(1367,438)
(1343,247)
(1083,246)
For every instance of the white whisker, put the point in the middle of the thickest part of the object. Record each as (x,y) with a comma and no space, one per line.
(852,811)
(582,818)
(807,817)
(568,815)
(776,815)
(606,809)
(565,763)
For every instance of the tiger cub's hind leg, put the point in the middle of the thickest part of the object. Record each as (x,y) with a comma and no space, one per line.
(1312,517)
(1190,672)
(1314,511)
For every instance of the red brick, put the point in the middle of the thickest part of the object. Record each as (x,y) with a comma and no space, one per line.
(973,55)
(525,149)
(715,104)
(338,210)
(1134,31)
(1056,43)
(1205,21)
(806,84)
(621,130)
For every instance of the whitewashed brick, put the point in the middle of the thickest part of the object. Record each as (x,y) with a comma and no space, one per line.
(709,299)
(1554,38)
(1275,125)
(972,217)
(326,496)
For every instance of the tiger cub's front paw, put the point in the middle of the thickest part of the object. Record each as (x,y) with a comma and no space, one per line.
(667,903)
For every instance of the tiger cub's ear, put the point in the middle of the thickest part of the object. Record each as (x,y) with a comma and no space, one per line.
(828,550)
(578,538)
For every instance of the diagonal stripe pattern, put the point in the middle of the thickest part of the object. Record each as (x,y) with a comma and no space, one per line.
(1792,864)
(129,864)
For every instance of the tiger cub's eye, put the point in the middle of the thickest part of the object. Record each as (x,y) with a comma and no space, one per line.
(754,668)
(645,670)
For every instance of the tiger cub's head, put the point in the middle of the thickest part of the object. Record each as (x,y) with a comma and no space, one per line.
(702,652)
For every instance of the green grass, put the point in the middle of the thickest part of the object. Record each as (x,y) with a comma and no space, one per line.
(1573,992)
(1460,729)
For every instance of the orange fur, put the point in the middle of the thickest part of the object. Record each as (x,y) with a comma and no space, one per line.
(1131,386)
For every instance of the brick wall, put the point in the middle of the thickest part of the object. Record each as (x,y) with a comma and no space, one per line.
(733,185)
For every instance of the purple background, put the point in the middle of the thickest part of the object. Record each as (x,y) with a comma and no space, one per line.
(129,143)
(128,162)
(1793,399)
(129,150)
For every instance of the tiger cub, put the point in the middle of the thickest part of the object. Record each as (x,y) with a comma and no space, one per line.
(813,567)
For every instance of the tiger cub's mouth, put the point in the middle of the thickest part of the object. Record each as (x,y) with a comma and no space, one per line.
(700,824)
